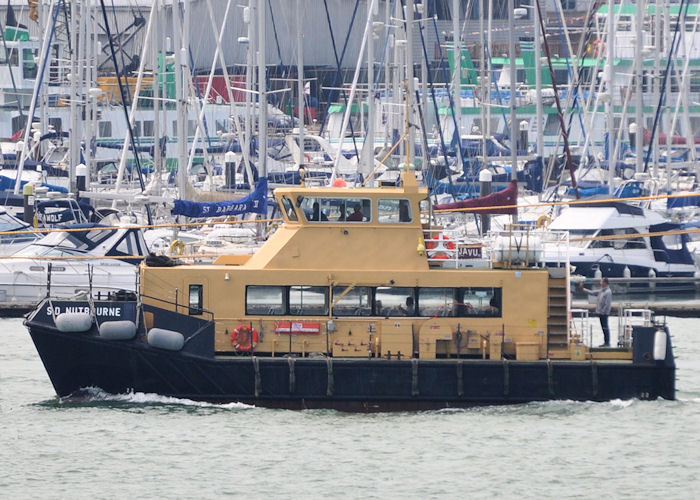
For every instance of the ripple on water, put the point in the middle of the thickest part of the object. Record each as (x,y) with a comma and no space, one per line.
(149,446)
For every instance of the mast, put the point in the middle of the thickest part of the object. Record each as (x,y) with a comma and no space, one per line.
(611,101)
(513,78)
(657,82)
(74,139)
(457,79)
(410,83)
(45,54)
(538,91)
(262,92)
(300,82)
(368,148)
(639,98)
(180,56)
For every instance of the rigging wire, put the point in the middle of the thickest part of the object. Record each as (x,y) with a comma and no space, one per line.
(126,113)
(662,94)
(338,75)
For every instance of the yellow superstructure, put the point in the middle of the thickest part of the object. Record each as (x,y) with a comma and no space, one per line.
(358,273)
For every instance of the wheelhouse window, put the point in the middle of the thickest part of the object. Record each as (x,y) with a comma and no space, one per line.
(352,301)
(265,300)
(394,211)
(355,210)
(395,301)
(196,299)
(288,208)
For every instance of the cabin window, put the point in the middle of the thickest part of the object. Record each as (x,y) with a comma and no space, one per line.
(356,302)
(673,241)
(337,209)
(265,300)
(308,300)
(196,299)
(148,126)
(618,242)
(394,211)
(128,245)
(436,302)
(395,301)
(13,56)
(29,67)
(105,129)
(19,122)
(478,302)
(56,124)
(551,126)
(288,208)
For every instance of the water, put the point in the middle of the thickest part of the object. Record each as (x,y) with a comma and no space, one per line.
(147,446)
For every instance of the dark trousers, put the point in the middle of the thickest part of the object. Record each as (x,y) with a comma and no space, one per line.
(606,329)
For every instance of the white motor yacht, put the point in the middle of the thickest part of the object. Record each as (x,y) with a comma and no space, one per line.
(76,259)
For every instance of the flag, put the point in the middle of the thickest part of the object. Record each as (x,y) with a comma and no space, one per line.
(10,20)
(307,88)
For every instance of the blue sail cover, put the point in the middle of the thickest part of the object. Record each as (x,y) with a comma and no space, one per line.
(255,202)
(7,183)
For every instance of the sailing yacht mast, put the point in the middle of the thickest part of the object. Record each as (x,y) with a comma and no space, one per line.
(457,79)
(262,91)
(611,94)
(300,81)
(538,90)
(639,101)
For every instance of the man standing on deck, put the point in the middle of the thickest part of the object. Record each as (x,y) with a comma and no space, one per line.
(602,307)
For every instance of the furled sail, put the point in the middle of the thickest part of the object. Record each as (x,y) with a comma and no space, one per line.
(255,202)
(502,202)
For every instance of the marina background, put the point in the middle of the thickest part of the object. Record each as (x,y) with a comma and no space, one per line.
(149,446)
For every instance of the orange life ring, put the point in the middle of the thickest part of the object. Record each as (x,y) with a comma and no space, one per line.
(307,157)
(438,246)
(244,338)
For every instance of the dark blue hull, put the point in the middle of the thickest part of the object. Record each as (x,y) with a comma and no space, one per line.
(617,270)
(75,361)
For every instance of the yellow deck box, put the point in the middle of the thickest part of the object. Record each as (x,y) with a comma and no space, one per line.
(527,351)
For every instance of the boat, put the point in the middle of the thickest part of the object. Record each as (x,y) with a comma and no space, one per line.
(87,258)
(357,313)
(619,240)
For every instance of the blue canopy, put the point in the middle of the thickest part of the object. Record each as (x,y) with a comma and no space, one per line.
(255,202)
(7,183)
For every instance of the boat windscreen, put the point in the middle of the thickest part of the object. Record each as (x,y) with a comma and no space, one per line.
(75,240)
(9,223)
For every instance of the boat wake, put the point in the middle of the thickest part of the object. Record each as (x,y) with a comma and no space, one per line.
(92,395)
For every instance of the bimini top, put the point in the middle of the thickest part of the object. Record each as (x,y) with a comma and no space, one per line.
(347,228)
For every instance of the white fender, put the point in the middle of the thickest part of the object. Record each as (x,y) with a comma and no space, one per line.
(166,339)
(118,330)
(73,322)
(660,345)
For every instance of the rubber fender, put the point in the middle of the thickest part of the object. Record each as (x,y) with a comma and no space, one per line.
(73,322)
(166,339)
(118,330)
